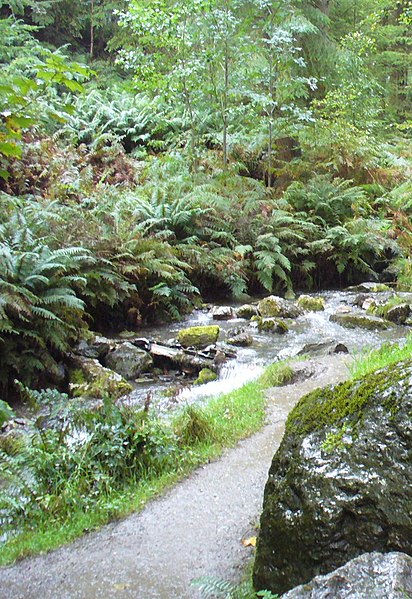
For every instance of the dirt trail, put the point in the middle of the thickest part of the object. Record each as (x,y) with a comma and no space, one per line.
(194,530)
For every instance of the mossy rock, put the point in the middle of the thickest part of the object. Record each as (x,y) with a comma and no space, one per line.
(205,376)
(198,337)
(352,320)
(273,306)
(272,325)
(341,482)
(90,379)
(310,303)
(246,311)
(369,287)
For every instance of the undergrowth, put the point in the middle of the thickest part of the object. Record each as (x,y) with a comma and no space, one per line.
(80,467)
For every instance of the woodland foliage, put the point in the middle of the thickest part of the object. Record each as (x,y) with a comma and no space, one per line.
(244,146)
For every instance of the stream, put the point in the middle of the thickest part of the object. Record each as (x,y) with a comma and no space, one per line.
(311,327)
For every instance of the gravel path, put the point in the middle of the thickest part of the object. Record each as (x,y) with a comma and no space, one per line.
(196,529)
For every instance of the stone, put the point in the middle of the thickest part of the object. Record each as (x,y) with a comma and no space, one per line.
(369,287)
(341,482)
(273,306)
(247,311)
(198,337)
(241,340)
(205,376)
(89,379)
(369,304)
(311,303)
(323,348)
(97,347)
(399,314)
(222,313)
(352,320)
(343,310)
(129,360)
(272,325)
(369,576)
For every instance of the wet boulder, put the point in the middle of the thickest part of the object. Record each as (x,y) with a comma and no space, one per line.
(247,311)
(323,348)
(341,482)
(369,576)
(353,320)
(273,306)
(311,303)
(198,337)
(223,313)
(129,360)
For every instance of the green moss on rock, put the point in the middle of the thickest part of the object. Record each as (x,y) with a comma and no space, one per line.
(205,376)
(312,304)
(198,336)
(330,406)
(272,325)
(352,320)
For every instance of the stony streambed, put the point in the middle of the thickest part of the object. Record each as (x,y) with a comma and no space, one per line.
(309,328)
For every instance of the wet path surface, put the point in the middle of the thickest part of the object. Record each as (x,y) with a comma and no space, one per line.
(196,529)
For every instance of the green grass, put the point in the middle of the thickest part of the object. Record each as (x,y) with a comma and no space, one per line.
(386,355)
(201,435)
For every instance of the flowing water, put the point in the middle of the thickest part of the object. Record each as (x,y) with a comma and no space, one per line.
(312,327)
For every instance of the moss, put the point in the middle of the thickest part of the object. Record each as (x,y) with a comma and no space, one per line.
(273,325)
(329,406)
(198,336)
(270,306)
(380,287)
(353,321)
(313,304)
(334,440)
(205,376)
(77,377)
(105,384)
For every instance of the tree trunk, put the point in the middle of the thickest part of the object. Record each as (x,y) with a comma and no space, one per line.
(91,28)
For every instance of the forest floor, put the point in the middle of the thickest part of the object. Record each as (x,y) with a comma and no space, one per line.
(196,529)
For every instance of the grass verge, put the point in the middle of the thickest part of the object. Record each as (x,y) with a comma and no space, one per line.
(386,355)
(201,434)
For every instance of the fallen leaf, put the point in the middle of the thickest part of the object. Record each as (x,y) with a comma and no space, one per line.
(250,542)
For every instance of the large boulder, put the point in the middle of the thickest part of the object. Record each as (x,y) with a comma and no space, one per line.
(341,482)
(273,306)
(198,337)
(352,320)
(129,360)
(370,576)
